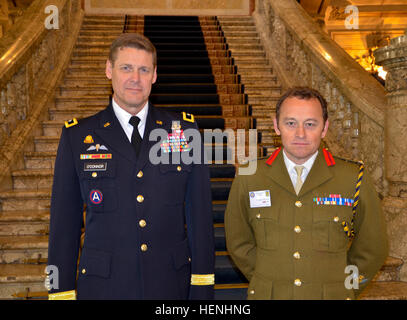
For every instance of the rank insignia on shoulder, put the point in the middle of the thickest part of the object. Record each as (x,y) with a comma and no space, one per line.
(71,123)
(273,156)
(88,139)
(188,117)
(328,158)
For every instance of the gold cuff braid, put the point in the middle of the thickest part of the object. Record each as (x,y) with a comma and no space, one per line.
(65,295)
(202,279)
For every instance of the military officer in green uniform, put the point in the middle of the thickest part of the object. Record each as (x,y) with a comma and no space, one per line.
(306,225)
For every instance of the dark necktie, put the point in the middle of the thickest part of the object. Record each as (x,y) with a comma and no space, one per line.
(135,137)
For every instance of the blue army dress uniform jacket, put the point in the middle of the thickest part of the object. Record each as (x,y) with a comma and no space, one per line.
(149,229)
(293,246)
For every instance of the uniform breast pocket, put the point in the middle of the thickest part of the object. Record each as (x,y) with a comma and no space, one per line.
(266,225)
(100,191)
(327,229)
(172,182)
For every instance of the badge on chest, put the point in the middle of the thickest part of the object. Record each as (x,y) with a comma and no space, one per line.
(259,199)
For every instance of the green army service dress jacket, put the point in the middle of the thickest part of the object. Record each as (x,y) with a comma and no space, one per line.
(293,246)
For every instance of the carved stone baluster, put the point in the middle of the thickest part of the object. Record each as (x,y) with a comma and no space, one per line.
(393,58)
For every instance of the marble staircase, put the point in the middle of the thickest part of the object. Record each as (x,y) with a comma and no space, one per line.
(24,209)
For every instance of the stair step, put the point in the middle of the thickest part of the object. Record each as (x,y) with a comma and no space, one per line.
(389,290)
(220,244)
(105,21)
(247,53)
(22,281)
(231,291)
(245,47)
(227,272)
(249,60)
(24,216)
(18,228)
(78,102)
(41,160)
(13,273)
(239,28)
(235,23)
(70,91)
(239,18)
(23,242)
(231,33)
(32,179)
(242,41)
(265,70)
(18,200)
(100,33)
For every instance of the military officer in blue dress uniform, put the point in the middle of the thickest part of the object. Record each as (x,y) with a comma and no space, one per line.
(149,231)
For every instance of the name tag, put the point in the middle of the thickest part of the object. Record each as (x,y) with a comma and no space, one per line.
(100,166)
(259,199)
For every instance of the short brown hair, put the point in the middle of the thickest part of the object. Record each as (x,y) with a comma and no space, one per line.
(305,93)
(132,40)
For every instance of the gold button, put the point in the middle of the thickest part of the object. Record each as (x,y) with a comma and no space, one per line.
(189,259)
(140,174)
(94,174)
(142,223)
(298,282)
(140,198)
(251,291)
(298,204)
(336,219)
(297,255)
(297,229)
(179,168)
(258,216)
(83,271)
(144,247)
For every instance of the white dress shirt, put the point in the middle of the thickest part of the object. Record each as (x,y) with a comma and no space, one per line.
(291,170)
(124,118)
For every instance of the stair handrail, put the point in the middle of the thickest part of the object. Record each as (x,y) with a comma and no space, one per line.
(305,55)
(33,59)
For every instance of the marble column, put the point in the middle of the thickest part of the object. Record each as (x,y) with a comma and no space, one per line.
(393,58)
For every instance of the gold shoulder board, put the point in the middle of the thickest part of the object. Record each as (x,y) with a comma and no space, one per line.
(71,123)
(188,117)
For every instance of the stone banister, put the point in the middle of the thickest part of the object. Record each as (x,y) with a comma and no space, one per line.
(33,60)
(303,54)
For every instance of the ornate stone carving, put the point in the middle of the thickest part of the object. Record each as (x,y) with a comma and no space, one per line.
(33,71)
(337,13)
(396,79)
